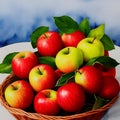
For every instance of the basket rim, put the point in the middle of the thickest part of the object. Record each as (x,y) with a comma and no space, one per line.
(34,115)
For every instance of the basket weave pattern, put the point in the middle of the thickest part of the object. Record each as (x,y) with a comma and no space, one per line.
(23,115)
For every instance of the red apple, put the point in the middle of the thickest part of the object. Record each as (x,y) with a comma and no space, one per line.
(72,39)
(19,94)
(49,43)
(89,77)
(45,102)
(23,62)
(58,73)
(42,76)
(106,53)
(105,71)
(110,87)
(71,97)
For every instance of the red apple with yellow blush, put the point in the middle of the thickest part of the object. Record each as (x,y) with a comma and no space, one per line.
(72,39)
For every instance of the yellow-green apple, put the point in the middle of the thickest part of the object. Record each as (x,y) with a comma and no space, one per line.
(105,71)
(19,94)
(69,59)
(49,43)
(91,47)
(42,76)
(45,102)
(71,97)
(23,62)
(90,78)
(110,87)
(72,39)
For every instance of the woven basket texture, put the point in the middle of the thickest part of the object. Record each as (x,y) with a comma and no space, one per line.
(24,115)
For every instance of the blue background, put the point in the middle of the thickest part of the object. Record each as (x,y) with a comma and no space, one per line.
(18,19)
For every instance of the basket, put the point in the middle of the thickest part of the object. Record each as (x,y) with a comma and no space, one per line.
(23,115)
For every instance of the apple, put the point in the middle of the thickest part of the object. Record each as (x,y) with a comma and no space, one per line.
(71,97)
(91,47)
(45,102)
(23,62)
(106,53)
(19,94)
(72,39)
(110,87)
(69,59)
(49,43)
(105,71)
(89,77)
(58,73)
(42,76)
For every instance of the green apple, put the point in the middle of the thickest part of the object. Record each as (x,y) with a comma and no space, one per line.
(91,47)
(69,59)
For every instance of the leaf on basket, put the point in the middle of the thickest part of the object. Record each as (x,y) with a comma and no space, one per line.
(99,102)
(105,60)
(65,78)
(5,66)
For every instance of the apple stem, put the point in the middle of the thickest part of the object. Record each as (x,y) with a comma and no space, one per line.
(79,71)
(40,71)
(93,40)
(45,35)
(67,52)
(15,88)
(22,56)
(48,95)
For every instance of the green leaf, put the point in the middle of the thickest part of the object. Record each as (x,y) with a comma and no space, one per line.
(36,33)
(84,26)
(8,58)
(65,78)
(92,61)
(5,66)
(107,42)
(99,102)
(47,60)
(66,24)
(97,32)
(105,60)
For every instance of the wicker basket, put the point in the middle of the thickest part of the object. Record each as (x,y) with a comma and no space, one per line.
(23,115)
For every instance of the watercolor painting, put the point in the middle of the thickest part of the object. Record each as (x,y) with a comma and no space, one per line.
(19,18)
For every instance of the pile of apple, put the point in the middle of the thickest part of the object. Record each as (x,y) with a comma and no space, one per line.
(70,69)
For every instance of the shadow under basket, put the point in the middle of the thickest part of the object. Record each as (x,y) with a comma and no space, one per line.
(23,115)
